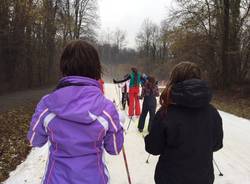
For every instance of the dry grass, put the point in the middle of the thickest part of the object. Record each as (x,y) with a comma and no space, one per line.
(233,103)
(13,145)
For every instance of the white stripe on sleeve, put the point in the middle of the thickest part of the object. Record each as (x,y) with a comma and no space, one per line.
(38,120)
(111,120)
(47,120)
(101,120)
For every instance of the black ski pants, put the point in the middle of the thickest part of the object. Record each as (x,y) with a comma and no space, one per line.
(149,105)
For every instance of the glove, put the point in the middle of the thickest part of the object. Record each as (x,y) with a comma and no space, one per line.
(140,97)
(114,81)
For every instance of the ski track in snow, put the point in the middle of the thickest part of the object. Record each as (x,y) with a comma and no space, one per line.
(233,159)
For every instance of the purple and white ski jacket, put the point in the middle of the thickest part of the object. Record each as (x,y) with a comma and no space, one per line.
(79,123)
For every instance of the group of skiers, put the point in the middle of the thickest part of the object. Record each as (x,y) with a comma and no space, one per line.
(80,123)
(149,93)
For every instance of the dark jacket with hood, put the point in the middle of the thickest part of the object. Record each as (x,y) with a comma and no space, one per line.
(186,136)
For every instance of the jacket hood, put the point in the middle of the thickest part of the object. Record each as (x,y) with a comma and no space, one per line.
(192,93)
(75,98)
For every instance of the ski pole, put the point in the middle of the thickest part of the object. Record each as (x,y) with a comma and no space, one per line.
(218,168)
(126,164)
(147,161)
(129,122)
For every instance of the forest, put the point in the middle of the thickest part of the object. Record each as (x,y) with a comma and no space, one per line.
(213,33)
(32,34)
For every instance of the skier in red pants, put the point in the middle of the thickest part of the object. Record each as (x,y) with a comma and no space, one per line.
(134,89)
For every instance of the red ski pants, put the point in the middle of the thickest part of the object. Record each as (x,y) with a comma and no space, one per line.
(134,104)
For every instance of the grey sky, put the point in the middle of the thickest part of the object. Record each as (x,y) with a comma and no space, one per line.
(128,15)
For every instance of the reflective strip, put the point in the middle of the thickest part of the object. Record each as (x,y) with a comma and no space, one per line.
(36,124)
(101,120)
(32,138)
(39,119)
(47,120)
(111,120)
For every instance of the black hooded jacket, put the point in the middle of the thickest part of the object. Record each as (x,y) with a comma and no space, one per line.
(186,136)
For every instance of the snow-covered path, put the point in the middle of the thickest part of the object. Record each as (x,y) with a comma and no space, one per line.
(233,159)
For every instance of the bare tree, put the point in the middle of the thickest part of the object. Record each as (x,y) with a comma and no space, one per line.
(220,27)
(32,33)
(78,19)
(119,39)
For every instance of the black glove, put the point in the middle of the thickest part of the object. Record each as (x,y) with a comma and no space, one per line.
(140,97)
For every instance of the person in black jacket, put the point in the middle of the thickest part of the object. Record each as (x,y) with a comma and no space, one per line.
(186,130)
(149,92)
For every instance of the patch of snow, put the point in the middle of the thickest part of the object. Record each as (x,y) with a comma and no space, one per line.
(233,159)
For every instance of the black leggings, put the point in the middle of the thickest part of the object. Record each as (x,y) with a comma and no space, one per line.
(149,105)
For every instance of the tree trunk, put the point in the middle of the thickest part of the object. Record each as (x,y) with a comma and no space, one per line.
(226,79)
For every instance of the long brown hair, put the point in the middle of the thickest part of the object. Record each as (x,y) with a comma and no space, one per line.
(151,82)
(181,72)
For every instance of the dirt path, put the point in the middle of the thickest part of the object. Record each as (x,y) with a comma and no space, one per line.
(16,110)
(20,98)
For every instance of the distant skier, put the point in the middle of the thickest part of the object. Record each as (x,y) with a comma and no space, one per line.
(149,93)
(78,121)
(186,130)
(125,97)
(134,90)
(144,79)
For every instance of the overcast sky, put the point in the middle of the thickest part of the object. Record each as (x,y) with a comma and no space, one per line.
(128,15)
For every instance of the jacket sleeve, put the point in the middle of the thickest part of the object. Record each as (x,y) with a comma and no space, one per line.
(143,80)
(37,135)
(113,140)
(157,93)
(155,140)
(127,77)
(218,132)
(143,91)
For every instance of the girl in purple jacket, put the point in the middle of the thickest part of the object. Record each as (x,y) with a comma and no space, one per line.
(77,121)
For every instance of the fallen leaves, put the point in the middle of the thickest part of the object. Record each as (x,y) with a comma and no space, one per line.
(14,147)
